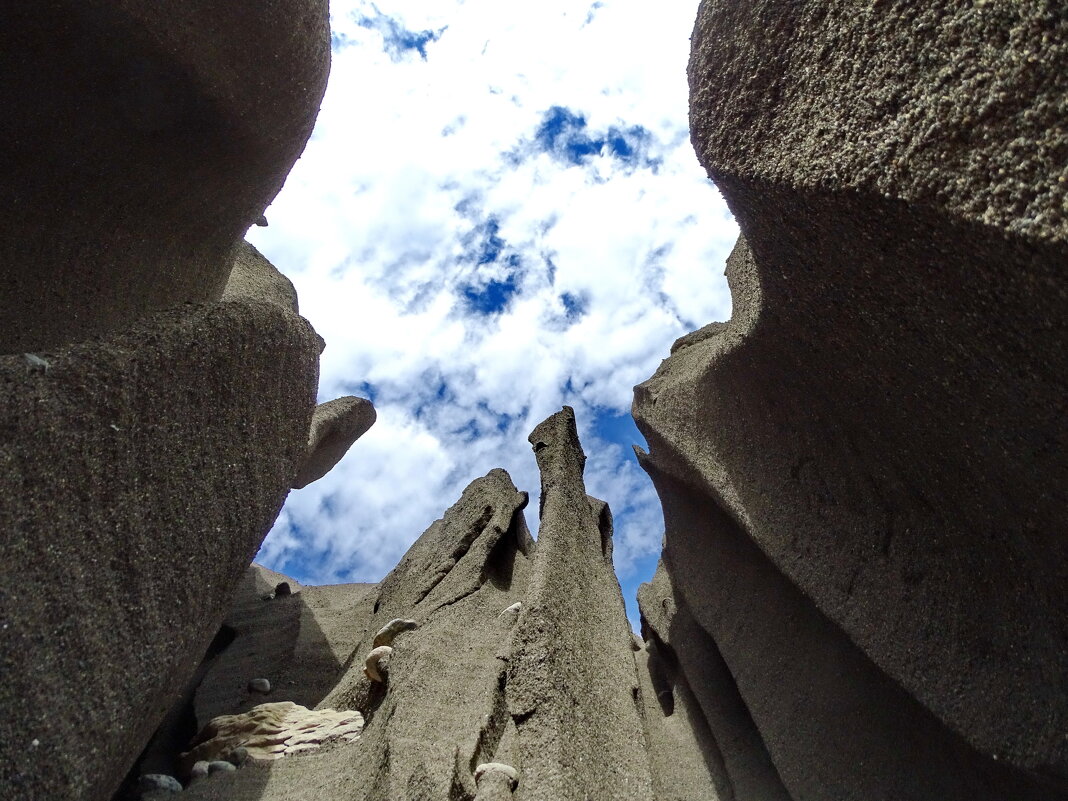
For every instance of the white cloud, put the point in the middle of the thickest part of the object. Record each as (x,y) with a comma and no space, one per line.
(382,222)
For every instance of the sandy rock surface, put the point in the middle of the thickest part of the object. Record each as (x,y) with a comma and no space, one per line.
(877,433)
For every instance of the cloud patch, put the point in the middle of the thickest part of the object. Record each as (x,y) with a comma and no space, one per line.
(522,226)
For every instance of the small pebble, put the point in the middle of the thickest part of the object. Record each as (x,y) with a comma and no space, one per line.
(259,686)
(238,757)
(221,766)
(498,769)
(377,663)
(36,362)
(198,771)
(152,782)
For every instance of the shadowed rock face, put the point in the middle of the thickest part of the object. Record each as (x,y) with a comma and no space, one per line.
(140,473)
(882,420)
(149,440)
(139,144)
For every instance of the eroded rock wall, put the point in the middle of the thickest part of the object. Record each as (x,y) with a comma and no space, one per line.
(140,144)
(863,473)
(140,473)
(485,666)
(153,413)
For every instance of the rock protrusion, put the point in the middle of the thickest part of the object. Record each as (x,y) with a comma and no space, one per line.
(137,160)
(253,277)
(270,732)
(335,426)
(376,665)
(496,781)
(571,669)
(388,632)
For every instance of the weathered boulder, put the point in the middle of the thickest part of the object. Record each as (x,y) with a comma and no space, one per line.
(882,420)
(139,145)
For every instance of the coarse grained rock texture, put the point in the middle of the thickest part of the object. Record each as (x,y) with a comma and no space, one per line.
(687,667)
(440,711)
(335,425)
(957,106)
(521,658)
(140,473)
(156,402)
(572,683)
(253,276)
(875,441)
(140,143)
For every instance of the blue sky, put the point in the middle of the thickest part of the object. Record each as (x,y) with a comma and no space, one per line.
(499,213)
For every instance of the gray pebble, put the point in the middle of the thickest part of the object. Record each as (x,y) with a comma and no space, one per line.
(154,782)
(238,757)
(221,766)
(198,771)
(37,363)
(259,686)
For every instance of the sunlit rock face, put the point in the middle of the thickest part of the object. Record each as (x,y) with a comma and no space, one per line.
(273,731)
(484,666)
(863,473)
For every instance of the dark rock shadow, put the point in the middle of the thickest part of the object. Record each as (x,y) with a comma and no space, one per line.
(835,725)
(886,412)
(264,636)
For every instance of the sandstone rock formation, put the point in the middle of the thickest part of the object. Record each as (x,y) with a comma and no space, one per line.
(140,144)
(335,425)
(521,678)
(572,687)
(863,473)
(140,473)
(150,437)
